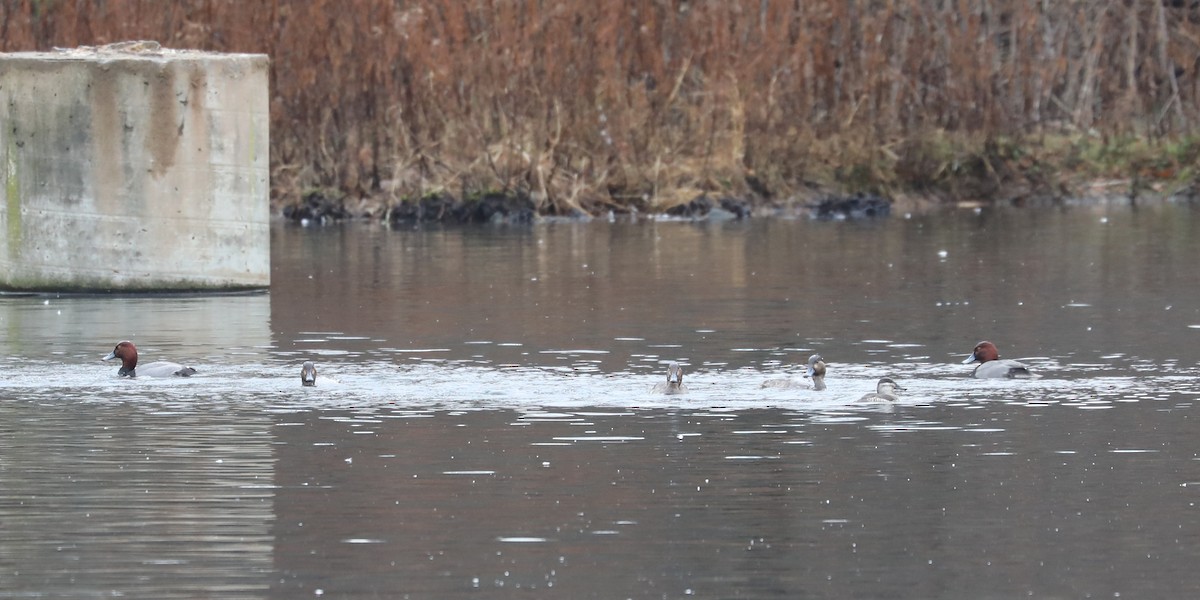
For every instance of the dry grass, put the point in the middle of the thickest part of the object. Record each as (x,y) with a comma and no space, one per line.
(585,105)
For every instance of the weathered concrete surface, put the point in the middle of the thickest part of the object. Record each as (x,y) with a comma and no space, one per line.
(130,167)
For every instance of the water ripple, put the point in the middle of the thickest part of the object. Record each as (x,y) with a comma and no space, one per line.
(474,385)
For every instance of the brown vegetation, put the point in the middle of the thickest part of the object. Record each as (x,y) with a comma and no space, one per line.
(585,105)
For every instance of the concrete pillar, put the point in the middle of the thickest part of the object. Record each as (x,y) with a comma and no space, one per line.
(131,167)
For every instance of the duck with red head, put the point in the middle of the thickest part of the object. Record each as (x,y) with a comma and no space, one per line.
(991,366)
(128,354)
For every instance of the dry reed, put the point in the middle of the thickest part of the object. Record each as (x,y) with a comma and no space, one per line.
(585,105)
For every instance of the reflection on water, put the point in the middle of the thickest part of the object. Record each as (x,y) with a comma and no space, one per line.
(483,421)
(738,503)
(123,498)
(727,294)
(52,331)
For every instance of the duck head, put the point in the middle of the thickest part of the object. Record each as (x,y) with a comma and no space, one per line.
(816,366)
(308,374)
(983,352)
(887,386)
(674,375)
(127,352)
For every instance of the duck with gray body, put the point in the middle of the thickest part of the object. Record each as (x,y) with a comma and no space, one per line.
(991,366)
(128,354)
(815,370)
(674,382)
(885,391)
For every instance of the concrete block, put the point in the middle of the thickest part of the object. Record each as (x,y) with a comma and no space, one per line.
(133,167)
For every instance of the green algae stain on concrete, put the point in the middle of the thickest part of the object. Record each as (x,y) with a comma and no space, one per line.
(12,204)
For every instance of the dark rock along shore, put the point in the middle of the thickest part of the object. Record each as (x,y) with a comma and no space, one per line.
(320,207)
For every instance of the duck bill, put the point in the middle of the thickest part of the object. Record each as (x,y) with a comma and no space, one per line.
(970,359)
(111,355)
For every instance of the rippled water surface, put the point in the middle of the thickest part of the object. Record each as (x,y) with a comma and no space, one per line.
(483,424)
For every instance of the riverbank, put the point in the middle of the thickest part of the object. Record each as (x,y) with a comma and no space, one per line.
(317,208)
(575,108)
(926,177)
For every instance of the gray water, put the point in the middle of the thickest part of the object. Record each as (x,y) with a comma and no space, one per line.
(484,427)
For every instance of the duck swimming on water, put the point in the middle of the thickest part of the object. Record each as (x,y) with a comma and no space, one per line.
(815,371)
(885,391)
(991,366)
(128,354)
(674,382)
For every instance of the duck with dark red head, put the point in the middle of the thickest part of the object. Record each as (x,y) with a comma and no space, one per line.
(128,354)
(991,366)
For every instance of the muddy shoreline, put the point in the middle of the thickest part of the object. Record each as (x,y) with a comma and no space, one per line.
(325,207)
